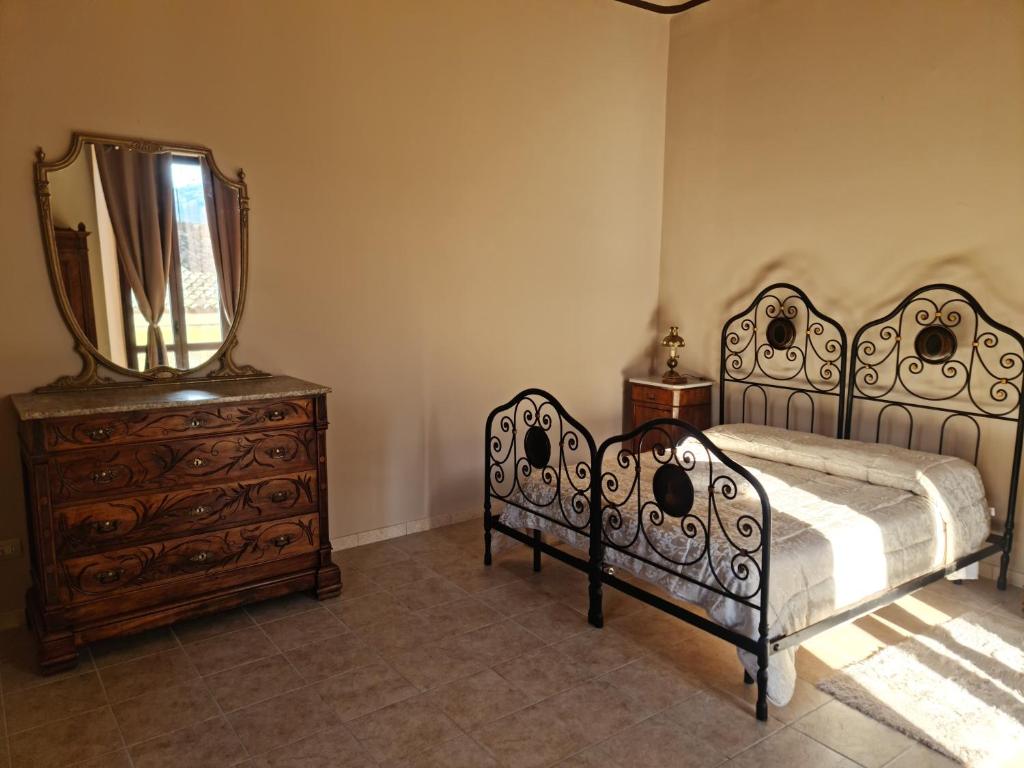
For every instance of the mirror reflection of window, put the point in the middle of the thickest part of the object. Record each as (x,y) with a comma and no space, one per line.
(192,317)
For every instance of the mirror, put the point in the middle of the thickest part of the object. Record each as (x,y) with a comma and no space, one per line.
(147,246)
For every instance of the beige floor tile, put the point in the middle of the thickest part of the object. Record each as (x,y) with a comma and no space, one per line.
(253,682)
(13,641)
(600,650)
(333,748)
(460,752)
(436,663)
(651,629)
(460,616)
(652,682)
(476,578)
(428,593)
(369,609)
(116,650)
(74,739)
(304,628)
(353,584)
(853,734)
(209,743)
(554,622)
(393,576)
(659,742)
(514,598)
(447,557)
(281,607)
(919,756)
(283,719)
(530,738)
(791,749)
(723,720)
(597,709)
(323,658)
(364,690)
(806,699)
(134,678)
(403,729)
(479,699)
(416,544)
(21,669)
(398,633)
(119,759)
(205,627)
(495,643)
(41,704)
(164,710)
(4,760)
(369,556)
(3,720)
(231,650)
(592,757)
(543,673)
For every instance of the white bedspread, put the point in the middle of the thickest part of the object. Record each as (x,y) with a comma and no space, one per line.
(849,520)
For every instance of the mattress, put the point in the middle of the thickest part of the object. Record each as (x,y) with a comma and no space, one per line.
(849,520)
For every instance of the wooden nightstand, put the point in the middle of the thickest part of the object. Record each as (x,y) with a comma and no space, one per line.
(650,399)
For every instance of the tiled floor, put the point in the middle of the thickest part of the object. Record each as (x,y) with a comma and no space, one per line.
(429,659)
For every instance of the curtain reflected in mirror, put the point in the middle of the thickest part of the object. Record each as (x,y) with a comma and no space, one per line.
(149,247)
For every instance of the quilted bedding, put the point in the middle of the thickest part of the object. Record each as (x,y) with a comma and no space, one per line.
(849,520)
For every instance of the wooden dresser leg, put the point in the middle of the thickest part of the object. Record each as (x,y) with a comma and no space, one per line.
(328,582)
(57,652)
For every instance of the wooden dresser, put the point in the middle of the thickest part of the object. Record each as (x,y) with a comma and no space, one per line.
(151,504)
(650,398)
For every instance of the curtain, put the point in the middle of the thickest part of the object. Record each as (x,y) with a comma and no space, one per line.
(140,197)
(225,237)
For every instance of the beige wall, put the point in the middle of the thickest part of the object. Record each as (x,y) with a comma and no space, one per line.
(451,200)
(859,150)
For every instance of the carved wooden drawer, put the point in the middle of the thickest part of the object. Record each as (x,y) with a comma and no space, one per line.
(103,525)
(110,472)
(92,431)
(133,568)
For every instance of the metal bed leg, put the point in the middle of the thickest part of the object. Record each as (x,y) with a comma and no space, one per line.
(536,550)
(595,613)
(762,685)
(747,679)
(487,536)
(1004,564)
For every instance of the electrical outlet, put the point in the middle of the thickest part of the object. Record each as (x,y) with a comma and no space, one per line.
(10,548)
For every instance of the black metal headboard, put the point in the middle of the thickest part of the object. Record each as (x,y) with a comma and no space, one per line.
(783,349)
(939,368)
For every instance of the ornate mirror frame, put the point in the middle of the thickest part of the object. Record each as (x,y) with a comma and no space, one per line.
(94,362)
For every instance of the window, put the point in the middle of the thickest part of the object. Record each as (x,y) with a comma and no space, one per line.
(193,323)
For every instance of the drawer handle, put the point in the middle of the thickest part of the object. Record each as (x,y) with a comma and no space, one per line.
(652,396)
(198,462)
(282,541)
(195,423)
(109,577)
(276,415)
(99,434)
(200,557)
(106,526)
(277,453)
(197,511)
(104,476)
(279,496)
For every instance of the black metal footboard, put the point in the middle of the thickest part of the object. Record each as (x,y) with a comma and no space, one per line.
(673,504)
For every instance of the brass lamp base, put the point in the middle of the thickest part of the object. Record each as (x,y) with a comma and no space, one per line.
(671,377)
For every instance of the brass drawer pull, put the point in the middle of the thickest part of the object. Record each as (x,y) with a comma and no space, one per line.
(99,434)
(276,415)
(195,423)
(104,476)
(277,453)
(200,557)
(279,496)
(198,511)
(198,462)
(282,541)
(109,577)
(106,526)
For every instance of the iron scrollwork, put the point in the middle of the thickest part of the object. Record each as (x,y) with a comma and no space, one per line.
(670,489)
(782,342)
(539,459)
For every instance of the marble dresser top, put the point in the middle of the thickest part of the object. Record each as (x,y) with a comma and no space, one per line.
(146,397)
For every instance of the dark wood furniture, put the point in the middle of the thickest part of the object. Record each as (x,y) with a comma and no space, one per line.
(148,505)
(73,253)
(650,398)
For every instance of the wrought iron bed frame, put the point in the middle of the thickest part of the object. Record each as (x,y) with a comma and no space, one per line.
(576,490)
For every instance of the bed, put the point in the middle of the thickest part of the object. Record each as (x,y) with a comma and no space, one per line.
(766,533)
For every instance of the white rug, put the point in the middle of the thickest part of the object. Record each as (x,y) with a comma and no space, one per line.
(959,689)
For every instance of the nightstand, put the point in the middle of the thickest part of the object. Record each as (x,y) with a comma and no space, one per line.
(650,399)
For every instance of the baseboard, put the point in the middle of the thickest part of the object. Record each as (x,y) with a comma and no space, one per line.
(991,571)
(402,529)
